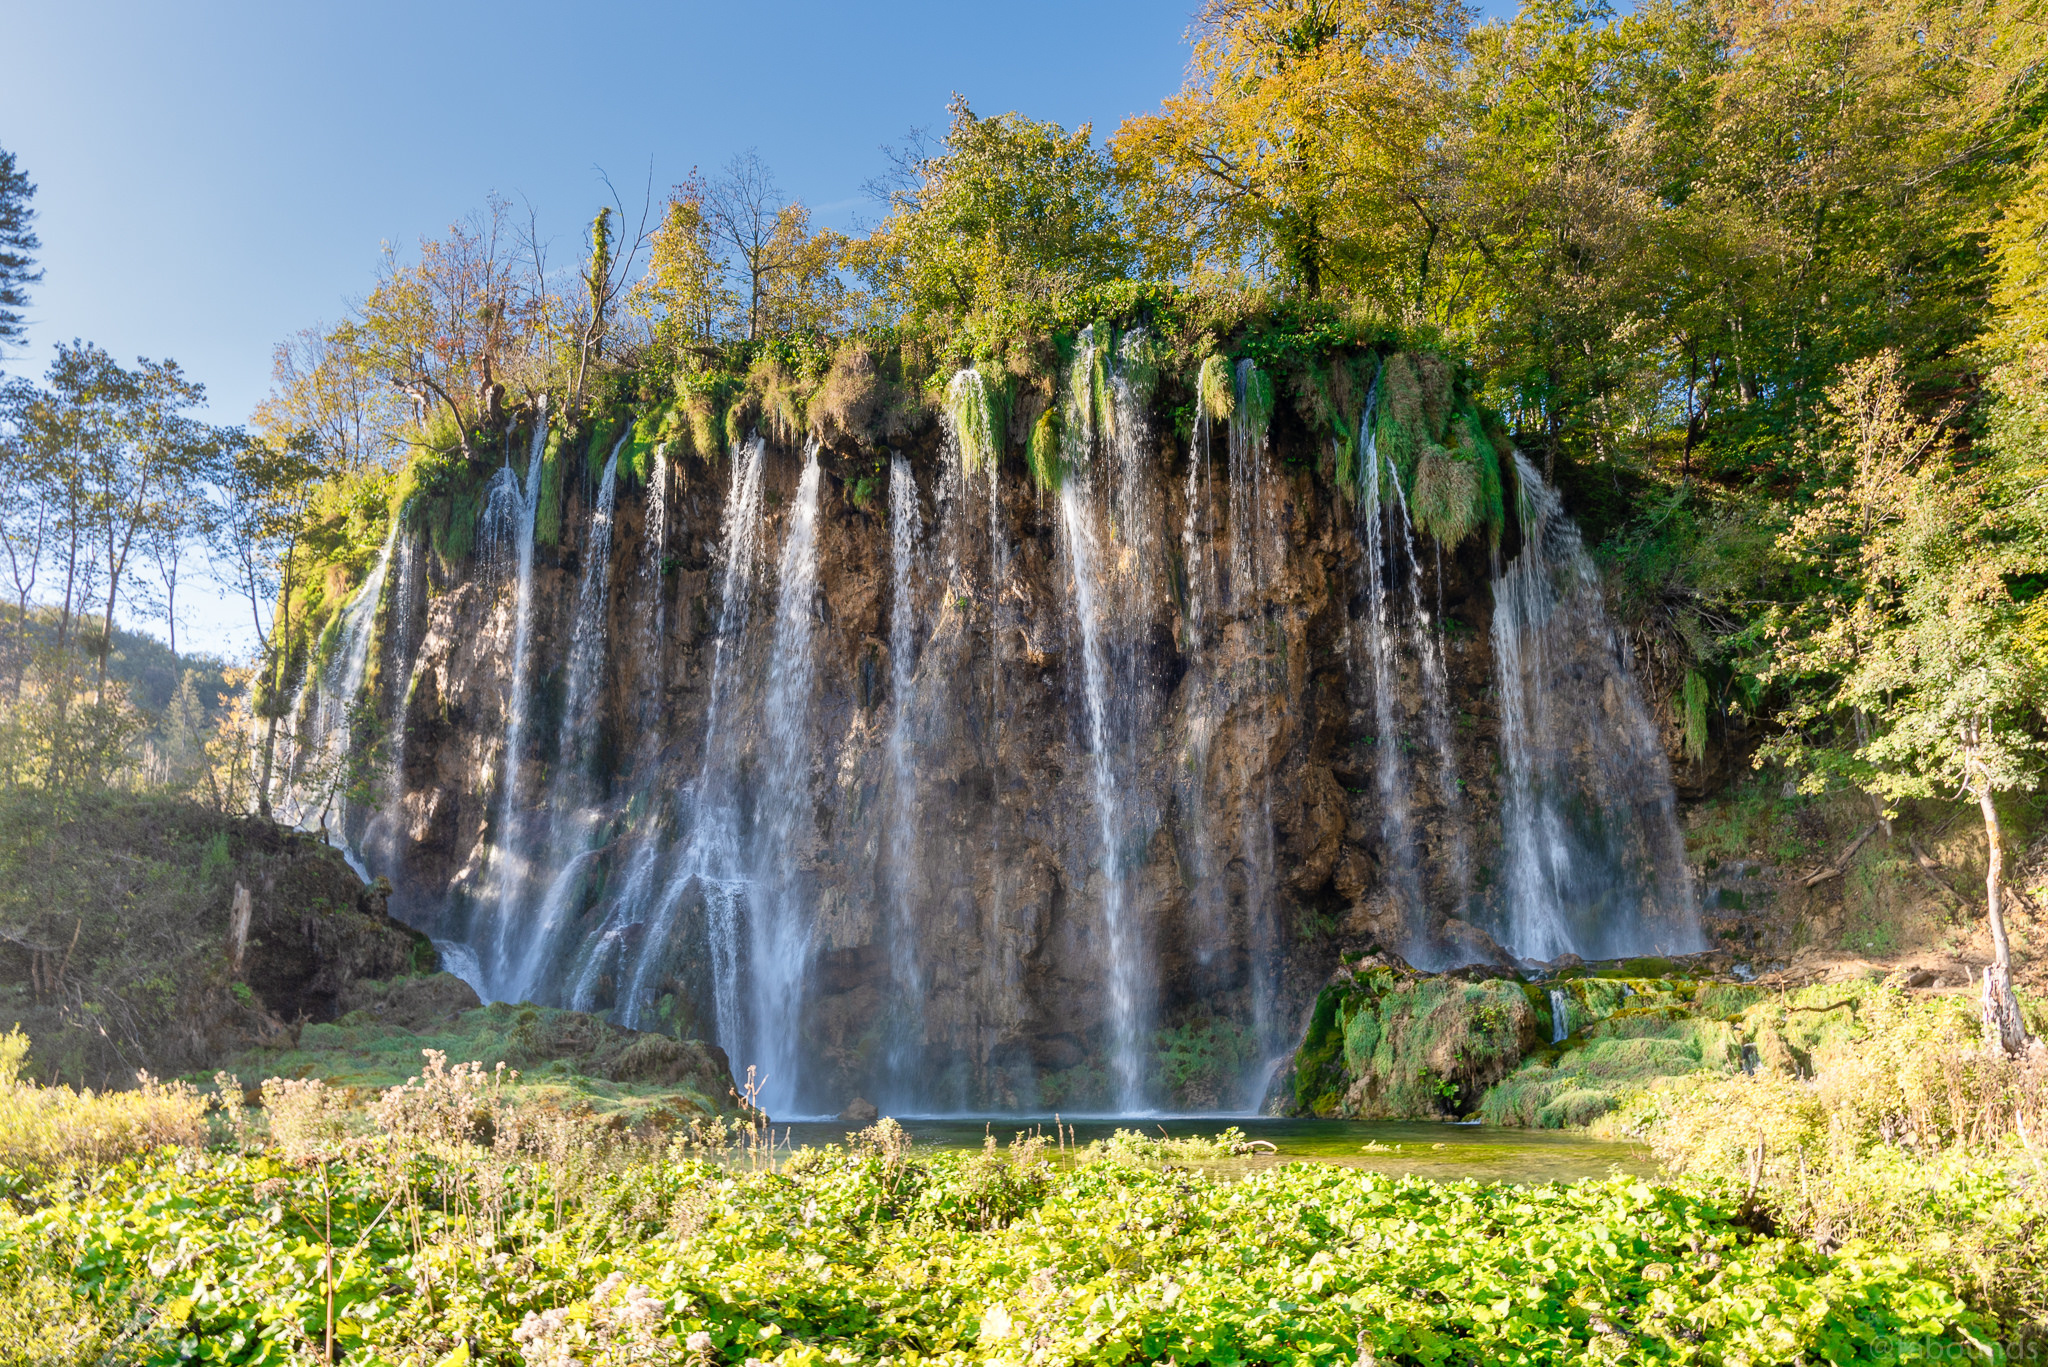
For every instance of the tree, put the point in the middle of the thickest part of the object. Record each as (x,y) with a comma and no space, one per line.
(444,330)
(24,509)
(605,277)
(1007,212)
(18,246)
(148,473)
(685,292)
(262,492)
(319,383)
(1299,130)
(1923,647)
(769,237)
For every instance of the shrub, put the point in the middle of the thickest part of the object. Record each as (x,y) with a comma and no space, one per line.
(59,1130)
(1908,1135)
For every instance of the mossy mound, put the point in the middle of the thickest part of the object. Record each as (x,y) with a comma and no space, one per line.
(1388,1043)
(1385,1043)
(120,948)
(570,1058)
(1628,1035)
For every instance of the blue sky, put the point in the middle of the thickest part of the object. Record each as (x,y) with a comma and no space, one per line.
(214,176)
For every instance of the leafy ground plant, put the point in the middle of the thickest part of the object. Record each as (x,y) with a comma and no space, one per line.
(451,1225)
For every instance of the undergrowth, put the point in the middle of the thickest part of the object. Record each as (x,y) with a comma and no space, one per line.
(447,1223)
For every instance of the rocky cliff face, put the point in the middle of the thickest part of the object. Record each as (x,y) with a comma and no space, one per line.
(1038,798)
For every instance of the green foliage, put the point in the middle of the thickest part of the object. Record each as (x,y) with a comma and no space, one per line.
(1894,1127)
(1011,213)
(124,899)
(1693,708)
(975,425)
(543,1238)
(1216,389)
(1047,452)
(1253,413)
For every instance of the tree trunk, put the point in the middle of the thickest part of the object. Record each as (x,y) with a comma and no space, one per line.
(2004,1029)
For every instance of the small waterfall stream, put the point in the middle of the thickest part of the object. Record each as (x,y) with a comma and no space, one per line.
(905,533)
(1595,862)
(1381,640)
(780,906)
(572,818)
(1257,551)
(508,523)
(711,857)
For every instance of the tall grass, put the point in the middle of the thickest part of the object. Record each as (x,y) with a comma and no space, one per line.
(1904,1132)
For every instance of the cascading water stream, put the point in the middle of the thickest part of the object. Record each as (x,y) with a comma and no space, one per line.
(1560,1015)
(322,743)
(1199,695)
(1595,862)
(1128,972)
(1380,641)
(780,902)
(1425,641)
(711,857)
(905,531)
(1256,552)
(508,517)
(654,604)
(1126,1061)
(570,815)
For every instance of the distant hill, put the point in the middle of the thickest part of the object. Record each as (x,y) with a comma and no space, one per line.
(139,660)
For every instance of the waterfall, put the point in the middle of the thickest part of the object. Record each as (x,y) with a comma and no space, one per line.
(654,608)
(587,639)
(570,815)
(381,835)
(508,517)
(1425,641)
(1397,836)
(1560,1015)
(710,858)
(1253,532)
(1595,862)
(1104,721)
(1199,698)
(1125,971)
(905,531)
(323,746)
(781,939)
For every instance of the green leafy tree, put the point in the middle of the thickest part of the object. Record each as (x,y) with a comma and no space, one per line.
(1007,213)
(1299,135)
(263,493)
(18,246)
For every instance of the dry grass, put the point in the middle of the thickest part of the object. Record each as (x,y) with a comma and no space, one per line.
(59,1130)
(1906,1134)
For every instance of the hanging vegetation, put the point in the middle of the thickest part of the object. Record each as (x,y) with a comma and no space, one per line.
(1215,390)
(973,421)
(1045,456)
